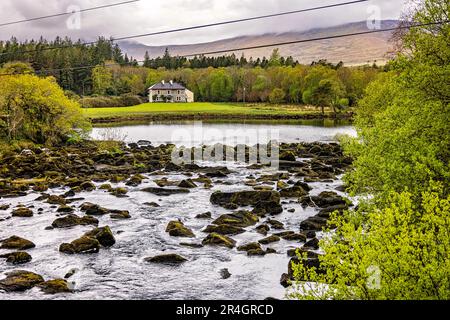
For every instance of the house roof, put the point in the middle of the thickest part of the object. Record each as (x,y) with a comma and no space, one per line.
(167,86)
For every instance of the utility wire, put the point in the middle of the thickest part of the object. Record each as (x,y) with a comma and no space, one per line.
(67,13)
(252,47)
(198,26)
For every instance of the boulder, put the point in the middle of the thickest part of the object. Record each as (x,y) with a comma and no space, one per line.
(20,280)
(219,240)
(270,239)
(256,252)
(72,220)
(188,183)
(295,237)
(244,198)
(65,209)
(224,229)
(16,243)
(263,229)
(287,156)
(55,286)
(22,212)
(54,199)
(225,274)
(164,191)
(178,229)
(238,219)
(120,214)
(4,207)
(293,192)
(19,257)
(87,186)
(328,199)
(326,212)
(82,245)
(313,223)
(206,215)
(312,244)
(170,258)
(267,207)
(93,209)
(103,235)
(135,180)
(275,224)
(249,246)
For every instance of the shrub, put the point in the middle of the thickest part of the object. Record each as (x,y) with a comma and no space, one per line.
(126,100)
(277,96)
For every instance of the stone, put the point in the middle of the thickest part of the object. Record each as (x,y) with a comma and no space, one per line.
(270,239)
(22,212)
(224,229)
(293,192)
(164,191)
(314,223)
(54,199)
(244,198)
(287,156)
(178,229)
(312,244)
(171,258)
(20,280)
(295,237)
(267,207)
(4,207)
(206,215)
(219,240)
(87,186)
(103,235)
(93,209)
(249,246)
(238,219)
(72,220)
(270,251)
(82,245)
(256,252)
(65,209)
(55,286)
(120,214)
(16,243)
(275,224)
(263,229)
(191,245)
(188,183)
(225,274)
(19,257)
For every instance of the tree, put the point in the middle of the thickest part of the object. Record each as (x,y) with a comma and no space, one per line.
(102,79)
(277,96)
(17,67)
(275,58)
(37,110)
(402,165)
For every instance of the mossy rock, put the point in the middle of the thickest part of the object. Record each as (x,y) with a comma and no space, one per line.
(219,240)
(256,252)
(20,280)
(135,180)
(119,192)
(17,243)
(243,198)
(93,209)
(275,224)
(288,156)
(238,219)
(106,186)
(55,286)
(120,214)
(249,246)
(270,239)
(22,213)
(224,229)
(205,215)
(178,229)
(293,192)
(263,229)
(65,209)
(295,237)
(188,183)
(104,236)
(72,220)
(19,257)
(54,199)
(170,258)
(82,245)
(165,191)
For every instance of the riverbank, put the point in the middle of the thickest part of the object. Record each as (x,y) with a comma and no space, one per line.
(209,111)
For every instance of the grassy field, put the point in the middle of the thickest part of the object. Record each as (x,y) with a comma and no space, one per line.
(203,110)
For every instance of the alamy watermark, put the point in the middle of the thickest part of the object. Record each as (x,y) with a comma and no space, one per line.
(74,20)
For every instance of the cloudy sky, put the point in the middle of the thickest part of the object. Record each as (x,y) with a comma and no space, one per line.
(154,15)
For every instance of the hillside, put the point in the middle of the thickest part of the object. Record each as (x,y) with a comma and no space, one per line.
(351,50)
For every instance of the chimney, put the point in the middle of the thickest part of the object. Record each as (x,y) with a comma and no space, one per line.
(163,82)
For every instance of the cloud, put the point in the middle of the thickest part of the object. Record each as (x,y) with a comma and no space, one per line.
(155,15)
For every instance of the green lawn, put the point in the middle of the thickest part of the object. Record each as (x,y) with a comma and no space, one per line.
(221,110)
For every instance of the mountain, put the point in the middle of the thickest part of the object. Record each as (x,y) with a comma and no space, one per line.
(354,50)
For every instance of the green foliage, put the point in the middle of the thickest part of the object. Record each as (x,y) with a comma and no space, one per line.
(125,100)
(398,252)
(17,67)
(102,79)
(37,110)
(276,96)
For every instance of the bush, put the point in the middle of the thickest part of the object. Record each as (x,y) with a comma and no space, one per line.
(126,100)
(277,96)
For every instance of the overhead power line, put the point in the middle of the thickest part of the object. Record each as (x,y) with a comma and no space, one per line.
(198,26)
(67,13)
(252,47)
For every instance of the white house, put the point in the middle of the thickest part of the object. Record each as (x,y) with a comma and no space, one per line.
(169,92)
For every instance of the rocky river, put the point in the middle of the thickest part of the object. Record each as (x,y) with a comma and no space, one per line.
(77,222)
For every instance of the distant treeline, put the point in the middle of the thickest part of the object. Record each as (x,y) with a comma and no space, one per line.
(102,69)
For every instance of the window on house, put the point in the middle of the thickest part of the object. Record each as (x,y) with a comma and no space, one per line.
(168,92)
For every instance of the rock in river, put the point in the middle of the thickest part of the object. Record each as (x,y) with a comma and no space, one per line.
(20,280)
(178,229)
(81,245)
(238,219)
(17,243)
(74,220)
(170,258)
(103,235)
(244,198)
(219,240)
(224,229)
(55,286)
(19,257)
(270,239)
(22,212)
(249,246)
(164,191)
